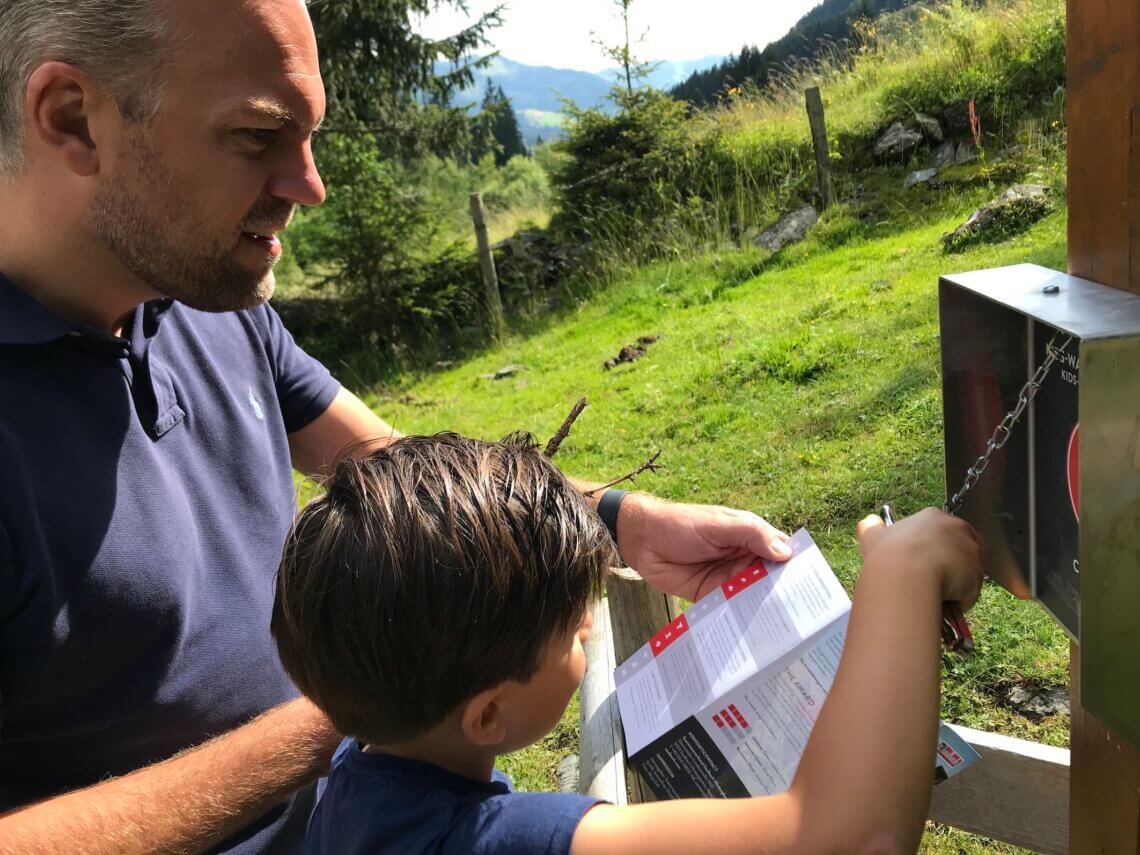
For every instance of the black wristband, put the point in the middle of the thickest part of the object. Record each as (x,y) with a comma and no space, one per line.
(608,507)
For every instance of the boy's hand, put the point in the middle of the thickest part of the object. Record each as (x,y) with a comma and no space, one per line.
(929,541)
(689,550)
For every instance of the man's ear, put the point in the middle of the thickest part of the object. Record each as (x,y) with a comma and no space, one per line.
(483,720)
(59,105)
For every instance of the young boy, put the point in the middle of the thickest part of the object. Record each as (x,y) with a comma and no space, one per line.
(433,603)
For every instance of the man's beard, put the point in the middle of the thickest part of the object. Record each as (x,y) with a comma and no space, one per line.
(150,227)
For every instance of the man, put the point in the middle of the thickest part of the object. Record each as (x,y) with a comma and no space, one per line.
(151,408)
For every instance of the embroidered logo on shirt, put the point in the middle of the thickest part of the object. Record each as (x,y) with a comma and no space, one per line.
(256,404)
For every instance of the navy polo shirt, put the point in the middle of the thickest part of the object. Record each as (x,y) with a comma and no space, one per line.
(377,803)
(145,493)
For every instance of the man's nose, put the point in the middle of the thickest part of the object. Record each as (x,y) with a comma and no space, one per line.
(297,179)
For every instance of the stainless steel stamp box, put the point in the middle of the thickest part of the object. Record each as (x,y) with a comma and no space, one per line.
(1059,504)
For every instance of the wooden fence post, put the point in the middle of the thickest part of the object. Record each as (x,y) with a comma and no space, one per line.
(487,265)
(819,143)
(1103,100)
(637,612)
(601,757)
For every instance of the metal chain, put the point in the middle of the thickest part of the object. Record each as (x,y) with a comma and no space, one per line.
(1002,432)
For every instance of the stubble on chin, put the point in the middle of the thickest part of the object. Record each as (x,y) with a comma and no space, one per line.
(148,224)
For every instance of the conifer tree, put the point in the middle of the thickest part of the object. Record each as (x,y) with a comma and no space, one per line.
(495,130)
(383,77)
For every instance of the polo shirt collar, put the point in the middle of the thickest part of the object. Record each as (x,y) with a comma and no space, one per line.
(25,320)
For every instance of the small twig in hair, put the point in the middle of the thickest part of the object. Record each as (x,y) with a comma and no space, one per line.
(564,431)
(649,465)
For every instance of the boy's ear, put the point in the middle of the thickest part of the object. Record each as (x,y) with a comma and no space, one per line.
(483,720)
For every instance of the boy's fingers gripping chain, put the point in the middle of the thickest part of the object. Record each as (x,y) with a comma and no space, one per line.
(956,634)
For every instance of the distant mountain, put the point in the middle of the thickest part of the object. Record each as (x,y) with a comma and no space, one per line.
(536,91)
(666,75)
(830,21)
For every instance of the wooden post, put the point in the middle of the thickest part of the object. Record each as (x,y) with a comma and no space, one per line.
(1103,96)
(487,265)
(819,143)
(637,612)
(601,756)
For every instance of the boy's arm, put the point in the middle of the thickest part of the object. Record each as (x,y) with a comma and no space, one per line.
(865,779)
(188,803)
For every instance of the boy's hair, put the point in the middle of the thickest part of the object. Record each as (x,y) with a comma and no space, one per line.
(429,571)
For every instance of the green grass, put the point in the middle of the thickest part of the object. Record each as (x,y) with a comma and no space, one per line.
(1008,55)
(802,385)
(921,58)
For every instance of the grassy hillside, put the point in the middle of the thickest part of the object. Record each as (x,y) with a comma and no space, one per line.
(802,384)
(658,181)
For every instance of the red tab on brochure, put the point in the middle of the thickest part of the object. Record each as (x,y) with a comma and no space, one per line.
(741,581)
(660,642)
(947,753)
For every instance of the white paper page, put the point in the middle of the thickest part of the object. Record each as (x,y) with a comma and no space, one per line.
(762,726)
(751,621)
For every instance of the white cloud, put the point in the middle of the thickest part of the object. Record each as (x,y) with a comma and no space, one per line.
(561,33)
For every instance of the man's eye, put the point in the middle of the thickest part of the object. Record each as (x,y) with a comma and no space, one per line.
(259,136)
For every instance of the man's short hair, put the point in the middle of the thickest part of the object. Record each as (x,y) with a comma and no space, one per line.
(429,571)
(121,44)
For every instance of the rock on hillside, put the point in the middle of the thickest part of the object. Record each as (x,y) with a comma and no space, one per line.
(1011,213)
(790,229)
(897,141)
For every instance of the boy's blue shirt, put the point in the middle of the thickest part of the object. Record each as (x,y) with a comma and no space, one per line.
(378,803)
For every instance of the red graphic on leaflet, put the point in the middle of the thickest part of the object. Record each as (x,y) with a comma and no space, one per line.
(729,719)
(660,642)
(719,721)
(952,757)
(742,581)
(1075,470)
(736,714)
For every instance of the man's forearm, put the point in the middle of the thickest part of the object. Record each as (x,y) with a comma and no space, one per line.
(185,804)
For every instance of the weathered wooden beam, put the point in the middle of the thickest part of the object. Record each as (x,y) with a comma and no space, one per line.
(601,757)
(1105,794)
(1018,793)
(1103,101)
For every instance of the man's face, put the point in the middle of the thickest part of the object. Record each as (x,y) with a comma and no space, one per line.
(192,201)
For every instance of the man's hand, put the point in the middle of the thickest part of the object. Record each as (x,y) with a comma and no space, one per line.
(689,550)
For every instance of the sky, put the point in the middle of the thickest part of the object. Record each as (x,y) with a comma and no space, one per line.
(558,33)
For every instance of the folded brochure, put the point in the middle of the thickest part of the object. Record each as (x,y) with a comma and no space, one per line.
(720,703)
